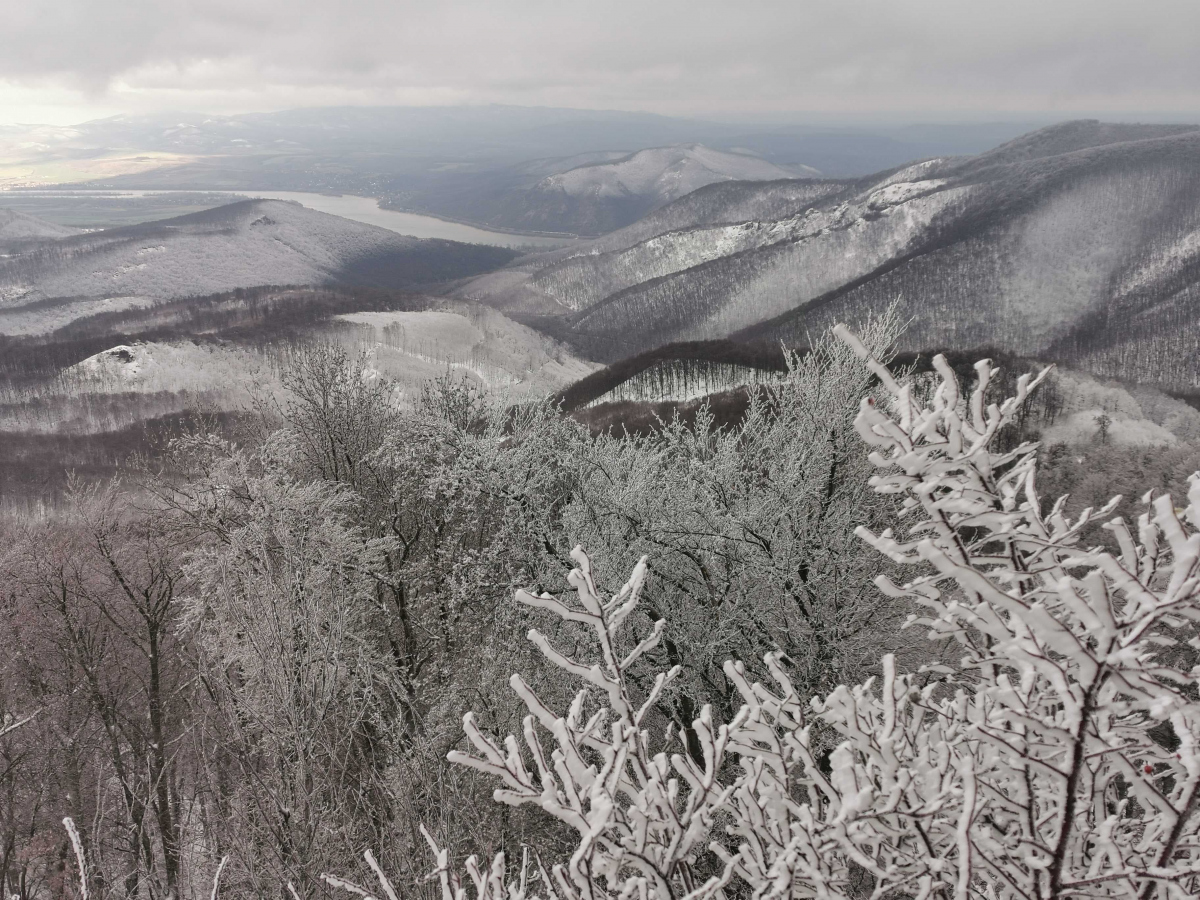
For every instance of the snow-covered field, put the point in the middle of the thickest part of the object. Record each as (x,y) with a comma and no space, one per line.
(469,341)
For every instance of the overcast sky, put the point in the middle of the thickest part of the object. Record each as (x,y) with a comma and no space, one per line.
(64,61)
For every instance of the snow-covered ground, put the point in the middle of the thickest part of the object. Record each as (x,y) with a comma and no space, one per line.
(1138,416)
(245,244)
(126,382)
(469,341)
(16,226)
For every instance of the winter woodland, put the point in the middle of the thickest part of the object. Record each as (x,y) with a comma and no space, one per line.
(298,650)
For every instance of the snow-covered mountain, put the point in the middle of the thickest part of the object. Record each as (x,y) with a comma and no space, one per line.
(602,196)
(243,244)
(607,194)
(1080,242)
(592,193)
(664,173)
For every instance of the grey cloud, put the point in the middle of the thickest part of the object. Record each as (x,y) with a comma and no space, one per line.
(665,55)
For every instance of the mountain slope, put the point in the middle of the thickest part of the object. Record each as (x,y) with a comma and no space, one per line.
(19,227)
(595,198)
(242,244)
(1080,241)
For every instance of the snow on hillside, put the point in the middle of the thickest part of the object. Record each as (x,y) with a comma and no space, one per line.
(815,250)
(45,318)
(253,242)
(1161,262)
(129,382)
(672,380)
(665,173)
(1138,416)
(466,340)
(173,366)
(1076,243)
(17,226)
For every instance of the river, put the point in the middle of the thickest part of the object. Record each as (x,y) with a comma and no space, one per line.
(360,209)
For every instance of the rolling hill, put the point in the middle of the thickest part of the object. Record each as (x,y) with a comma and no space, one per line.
(17,228)
(1079,242)
(242,244)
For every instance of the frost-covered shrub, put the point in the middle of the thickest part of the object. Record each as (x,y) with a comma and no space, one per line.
(1059,757)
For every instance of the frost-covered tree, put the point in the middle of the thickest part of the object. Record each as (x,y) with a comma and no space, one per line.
(283,583)
(1059,756)
(749,531)
(389,539)
(90,610)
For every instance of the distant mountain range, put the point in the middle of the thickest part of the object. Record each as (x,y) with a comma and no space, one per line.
(473,163)
(600,195)
(253,242)
(1079,242)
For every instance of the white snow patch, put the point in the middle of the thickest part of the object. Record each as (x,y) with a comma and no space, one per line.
(469,340)
(1139,416)
(125,362)
(902,192)
(1083,427)
(917,172)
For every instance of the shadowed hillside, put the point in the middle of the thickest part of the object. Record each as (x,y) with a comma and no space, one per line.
(242,244)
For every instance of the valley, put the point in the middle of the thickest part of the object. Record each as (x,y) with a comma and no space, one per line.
(1074,244)
(293,405)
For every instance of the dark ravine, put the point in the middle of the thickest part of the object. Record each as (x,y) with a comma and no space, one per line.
(765,357)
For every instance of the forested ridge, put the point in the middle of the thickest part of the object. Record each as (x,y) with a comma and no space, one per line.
(243,244)
(1075,243)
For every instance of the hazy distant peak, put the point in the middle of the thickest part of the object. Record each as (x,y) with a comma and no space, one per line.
(666,173)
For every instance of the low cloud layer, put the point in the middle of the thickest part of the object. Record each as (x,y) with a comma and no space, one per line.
(947,57)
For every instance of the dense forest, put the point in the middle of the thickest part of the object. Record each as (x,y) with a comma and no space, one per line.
(251,655)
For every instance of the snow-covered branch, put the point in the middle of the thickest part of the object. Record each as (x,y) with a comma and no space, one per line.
(1075,743)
